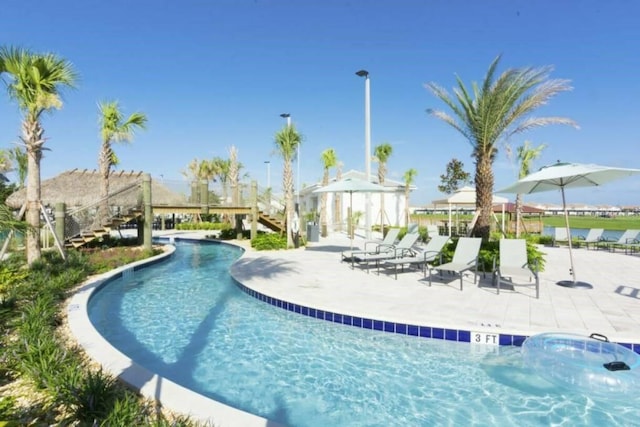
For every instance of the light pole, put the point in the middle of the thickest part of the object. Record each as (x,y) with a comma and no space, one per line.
(288,117)
(268,163)
(367,149)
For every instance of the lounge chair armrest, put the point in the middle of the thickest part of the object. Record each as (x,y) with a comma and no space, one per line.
(376,244)
(402,252)
(425,253)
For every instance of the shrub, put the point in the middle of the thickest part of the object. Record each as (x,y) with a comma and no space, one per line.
(269,241)
(127,410)
(41,360)
(89,397)
(203,225)
(231,233)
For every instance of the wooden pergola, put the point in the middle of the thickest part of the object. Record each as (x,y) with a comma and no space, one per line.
(531,217)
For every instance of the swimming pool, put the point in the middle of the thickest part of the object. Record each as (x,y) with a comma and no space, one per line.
(187,320)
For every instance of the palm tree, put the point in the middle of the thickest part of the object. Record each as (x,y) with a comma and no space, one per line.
(191,174)
(329,160)
(526,156)
(113,128)
(220,168)
(381,154)
(496,110)
(35,83)
(408,178)
(287,141)
(19,158)
(234,181)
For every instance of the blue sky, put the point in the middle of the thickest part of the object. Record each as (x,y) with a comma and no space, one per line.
(211,74)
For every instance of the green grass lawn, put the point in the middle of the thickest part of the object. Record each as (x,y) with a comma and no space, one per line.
(617,223)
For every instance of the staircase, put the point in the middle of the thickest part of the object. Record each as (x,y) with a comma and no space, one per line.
(272,222)
(87,236)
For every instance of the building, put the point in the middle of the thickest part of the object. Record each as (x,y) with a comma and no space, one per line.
(338,204)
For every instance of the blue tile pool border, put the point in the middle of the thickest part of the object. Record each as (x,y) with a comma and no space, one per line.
(421,331)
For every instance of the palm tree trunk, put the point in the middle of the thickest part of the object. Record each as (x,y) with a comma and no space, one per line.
(484,196)
(105,165)
(323,205)
(518,214)
(287,181)
(32,136)
(406,205)
(337,203)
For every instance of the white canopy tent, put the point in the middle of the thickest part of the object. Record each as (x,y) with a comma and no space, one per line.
(466,196)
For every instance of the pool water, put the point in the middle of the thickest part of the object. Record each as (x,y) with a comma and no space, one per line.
(188,321)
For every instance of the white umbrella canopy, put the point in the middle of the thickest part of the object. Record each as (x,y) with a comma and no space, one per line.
(351,185)
(466,196)
(568,175)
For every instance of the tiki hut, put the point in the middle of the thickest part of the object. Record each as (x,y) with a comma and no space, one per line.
(78,188)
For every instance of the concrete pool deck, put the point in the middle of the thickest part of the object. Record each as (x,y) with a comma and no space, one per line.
(315,277)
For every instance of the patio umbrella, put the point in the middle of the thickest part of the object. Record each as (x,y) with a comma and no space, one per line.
(568,175)
(351,185)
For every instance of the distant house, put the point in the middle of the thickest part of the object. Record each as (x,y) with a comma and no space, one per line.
(394,203)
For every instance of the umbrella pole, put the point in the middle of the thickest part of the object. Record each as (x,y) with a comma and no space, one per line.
(566,222)
(570,283)
(351,218)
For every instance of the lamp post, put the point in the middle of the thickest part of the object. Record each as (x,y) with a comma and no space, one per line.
(288,117)
(367,148)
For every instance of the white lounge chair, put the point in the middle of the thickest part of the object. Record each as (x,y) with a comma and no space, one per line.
(432,231)
(403,248)
(594,236)
(514,264)
(560,235)
(431,251)
(628,241)
(374,246)
(465,258)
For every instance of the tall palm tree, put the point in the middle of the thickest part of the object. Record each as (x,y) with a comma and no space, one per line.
(234,181)
(35,82)
(329,160)
(287,141)
(381,154)
(408,178)
(221,174)
(526,155)
(191,174)
(496,110)
(114,128)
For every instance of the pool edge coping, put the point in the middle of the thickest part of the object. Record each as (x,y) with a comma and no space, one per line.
(169,394)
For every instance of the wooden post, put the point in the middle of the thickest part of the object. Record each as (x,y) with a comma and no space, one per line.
(254,209)
(60,219)
(148,211)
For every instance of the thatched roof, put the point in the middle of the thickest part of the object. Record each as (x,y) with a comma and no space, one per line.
(511,208)
(82,187)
